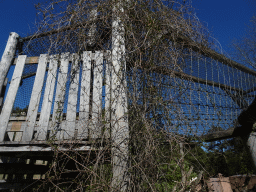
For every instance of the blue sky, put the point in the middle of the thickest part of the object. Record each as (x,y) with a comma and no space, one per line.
(226,19)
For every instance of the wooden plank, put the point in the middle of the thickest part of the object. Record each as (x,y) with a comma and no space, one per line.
(84,108)
(16,126)
(43,148)
(48,97)
(119,119)
(19,134)
(11,95)
(69,132)
(19,118)
(43,143)
(60,96)
(35,98)
(2,94)
(95,131)
(107,94)
(251,142)
(241,131)
(29,60)
(10,135)
(7,57)
(218,135)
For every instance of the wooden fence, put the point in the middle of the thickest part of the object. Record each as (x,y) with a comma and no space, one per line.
(46,125)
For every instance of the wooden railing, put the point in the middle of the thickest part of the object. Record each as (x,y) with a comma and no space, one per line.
(87,122)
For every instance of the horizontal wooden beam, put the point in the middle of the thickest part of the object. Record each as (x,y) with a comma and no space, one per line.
(44,143)
(35,148)
(219,135)
(29,60)
(226,134)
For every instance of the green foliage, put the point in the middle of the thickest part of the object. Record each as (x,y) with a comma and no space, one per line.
(19,110)
(229,157)
(172,176)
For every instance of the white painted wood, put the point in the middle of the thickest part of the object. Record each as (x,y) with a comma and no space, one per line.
(69,132)
(18,136)
(35,98)
(11,95)
(10,135)
(2,98)
(29,147)
(95,131)
(7,57)
(84,107)
(47,101)
(60,97)
(107,94)
(251,142)
(119,122)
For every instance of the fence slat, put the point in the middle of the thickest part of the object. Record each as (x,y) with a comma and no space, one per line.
(60,96)
(11,95)
(84,108)
(35,98)
(69,132)
(48,97)
(97,96)
(107,94)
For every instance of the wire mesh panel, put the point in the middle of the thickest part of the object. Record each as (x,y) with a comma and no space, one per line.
(194,97)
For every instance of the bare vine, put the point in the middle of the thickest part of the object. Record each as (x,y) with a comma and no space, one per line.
(160,38)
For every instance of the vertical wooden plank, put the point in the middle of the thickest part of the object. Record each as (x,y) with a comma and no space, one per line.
(11,95)
(107,95)
(251,142)
(95,131)
(84,109)
(60,96)
(119,122)
(69,132)
(48,97)
(10,135)
(2,95)
(35,98)
(7,57)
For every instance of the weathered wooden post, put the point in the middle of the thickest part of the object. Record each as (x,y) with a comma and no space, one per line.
(7,57)
(251,142)
(119,122)
(247,119)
